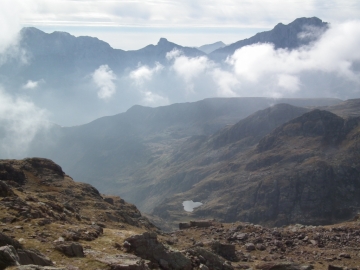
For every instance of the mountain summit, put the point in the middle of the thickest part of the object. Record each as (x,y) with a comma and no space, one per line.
(301,31)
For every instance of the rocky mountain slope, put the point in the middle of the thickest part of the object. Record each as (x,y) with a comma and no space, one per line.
(48,221)
(282,36)
(129,154)
(304,171)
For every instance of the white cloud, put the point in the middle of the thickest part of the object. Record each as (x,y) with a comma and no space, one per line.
(335,54)
(289,82)
(189,68)
(144,73)
(104,79)
(226,82)
(173,54)
(32,84)
(10,24)
(20,121)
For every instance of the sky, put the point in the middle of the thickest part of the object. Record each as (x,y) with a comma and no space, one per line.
(133,24)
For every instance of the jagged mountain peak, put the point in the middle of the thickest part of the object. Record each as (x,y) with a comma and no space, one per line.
(162,41)
(282,36)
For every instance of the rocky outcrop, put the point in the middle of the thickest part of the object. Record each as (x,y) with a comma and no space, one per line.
(6,240)
(54,196)
(5,190)
(8,257)
(70,249)
(32,256)
(148,247)
(227,251)
(211,260)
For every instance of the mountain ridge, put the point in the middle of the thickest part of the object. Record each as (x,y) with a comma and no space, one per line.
(276,37)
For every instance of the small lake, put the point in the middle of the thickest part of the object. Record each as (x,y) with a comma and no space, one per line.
(190,205)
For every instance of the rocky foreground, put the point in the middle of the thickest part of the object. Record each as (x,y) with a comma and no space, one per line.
(48,221)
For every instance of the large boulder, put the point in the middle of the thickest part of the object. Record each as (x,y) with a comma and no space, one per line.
(8,257)
(227,251)
(5,190)
(32,256)
(211,260)
(70,249)
(148,247)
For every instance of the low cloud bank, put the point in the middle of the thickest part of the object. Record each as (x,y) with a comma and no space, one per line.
(316,70)
(20,121)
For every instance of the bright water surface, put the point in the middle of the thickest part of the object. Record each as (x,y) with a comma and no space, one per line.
(190,205)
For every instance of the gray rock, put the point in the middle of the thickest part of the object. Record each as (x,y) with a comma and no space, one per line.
(5,190)
(147,247)
(31,256)
(211,260)
(8,257)
(70,249)
(260,247)
(227,251)
(250,246)
(203,267)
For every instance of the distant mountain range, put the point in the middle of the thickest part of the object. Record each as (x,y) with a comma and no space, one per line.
(63,65)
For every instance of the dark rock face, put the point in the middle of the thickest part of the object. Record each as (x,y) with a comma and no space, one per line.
(70,249)
(5,190)
(227,251)
(147,247)
(27,256)
(6,240)
(8,257)
(42,166)
(8,172)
